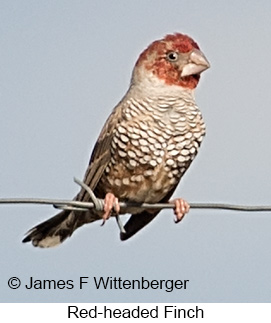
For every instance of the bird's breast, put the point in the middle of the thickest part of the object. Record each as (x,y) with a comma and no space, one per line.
(150,152)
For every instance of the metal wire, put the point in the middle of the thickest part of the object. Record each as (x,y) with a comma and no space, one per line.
(85,206)
(98,204)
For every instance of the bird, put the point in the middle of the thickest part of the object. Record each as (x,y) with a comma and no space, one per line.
(145,146)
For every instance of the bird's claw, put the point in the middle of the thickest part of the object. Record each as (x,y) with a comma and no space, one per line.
(111,204)
(181,209)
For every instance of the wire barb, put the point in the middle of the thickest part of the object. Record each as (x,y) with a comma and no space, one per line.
(120,225)
(98,203)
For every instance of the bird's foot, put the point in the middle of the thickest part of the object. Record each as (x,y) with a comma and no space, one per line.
(181,208)
(111,203)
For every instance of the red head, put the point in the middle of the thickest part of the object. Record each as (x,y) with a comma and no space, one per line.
(175,59)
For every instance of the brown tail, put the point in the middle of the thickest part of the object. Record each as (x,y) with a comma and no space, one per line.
(54,231)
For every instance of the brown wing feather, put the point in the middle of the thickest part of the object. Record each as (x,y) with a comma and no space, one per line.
(138,221)
(61,226)
(101,153)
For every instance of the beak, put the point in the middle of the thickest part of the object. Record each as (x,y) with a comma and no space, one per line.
(196,64)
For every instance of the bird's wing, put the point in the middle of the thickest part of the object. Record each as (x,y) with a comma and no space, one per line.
(101,153)
(138,221)
(58,228)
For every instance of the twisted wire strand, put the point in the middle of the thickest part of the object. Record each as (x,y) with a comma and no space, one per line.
(99,203)
(85,206)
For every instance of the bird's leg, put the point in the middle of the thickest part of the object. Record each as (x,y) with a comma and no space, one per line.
(111,203)
(181,208)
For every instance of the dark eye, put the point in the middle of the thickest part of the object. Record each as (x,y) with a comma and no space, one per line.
(172,56)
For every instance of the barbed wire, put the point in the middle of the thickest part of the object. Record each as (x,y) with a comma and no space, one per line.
(85,206)
(98,204)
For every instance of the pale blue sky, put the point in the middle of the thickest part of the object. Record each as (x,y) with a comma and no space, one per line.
(63,67)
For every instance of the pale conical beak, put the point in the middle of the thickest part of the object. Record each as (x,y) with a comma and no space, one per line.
(197,63)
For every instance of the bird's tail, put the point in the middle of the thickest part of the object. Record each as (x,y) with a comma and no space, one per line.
(54,231)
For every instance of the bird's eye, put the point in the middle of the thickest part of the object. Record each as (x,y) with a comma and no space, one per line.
(172,56)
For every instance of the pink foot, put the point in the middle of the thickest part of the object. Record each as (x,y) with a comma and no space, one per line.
(111,203)
(181,208)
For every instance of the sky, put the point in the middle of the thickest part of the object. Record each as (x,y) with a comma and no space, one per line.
(64,65)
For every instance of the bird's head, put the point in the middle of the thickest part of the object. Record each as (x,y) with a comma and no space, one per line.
(174,60)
